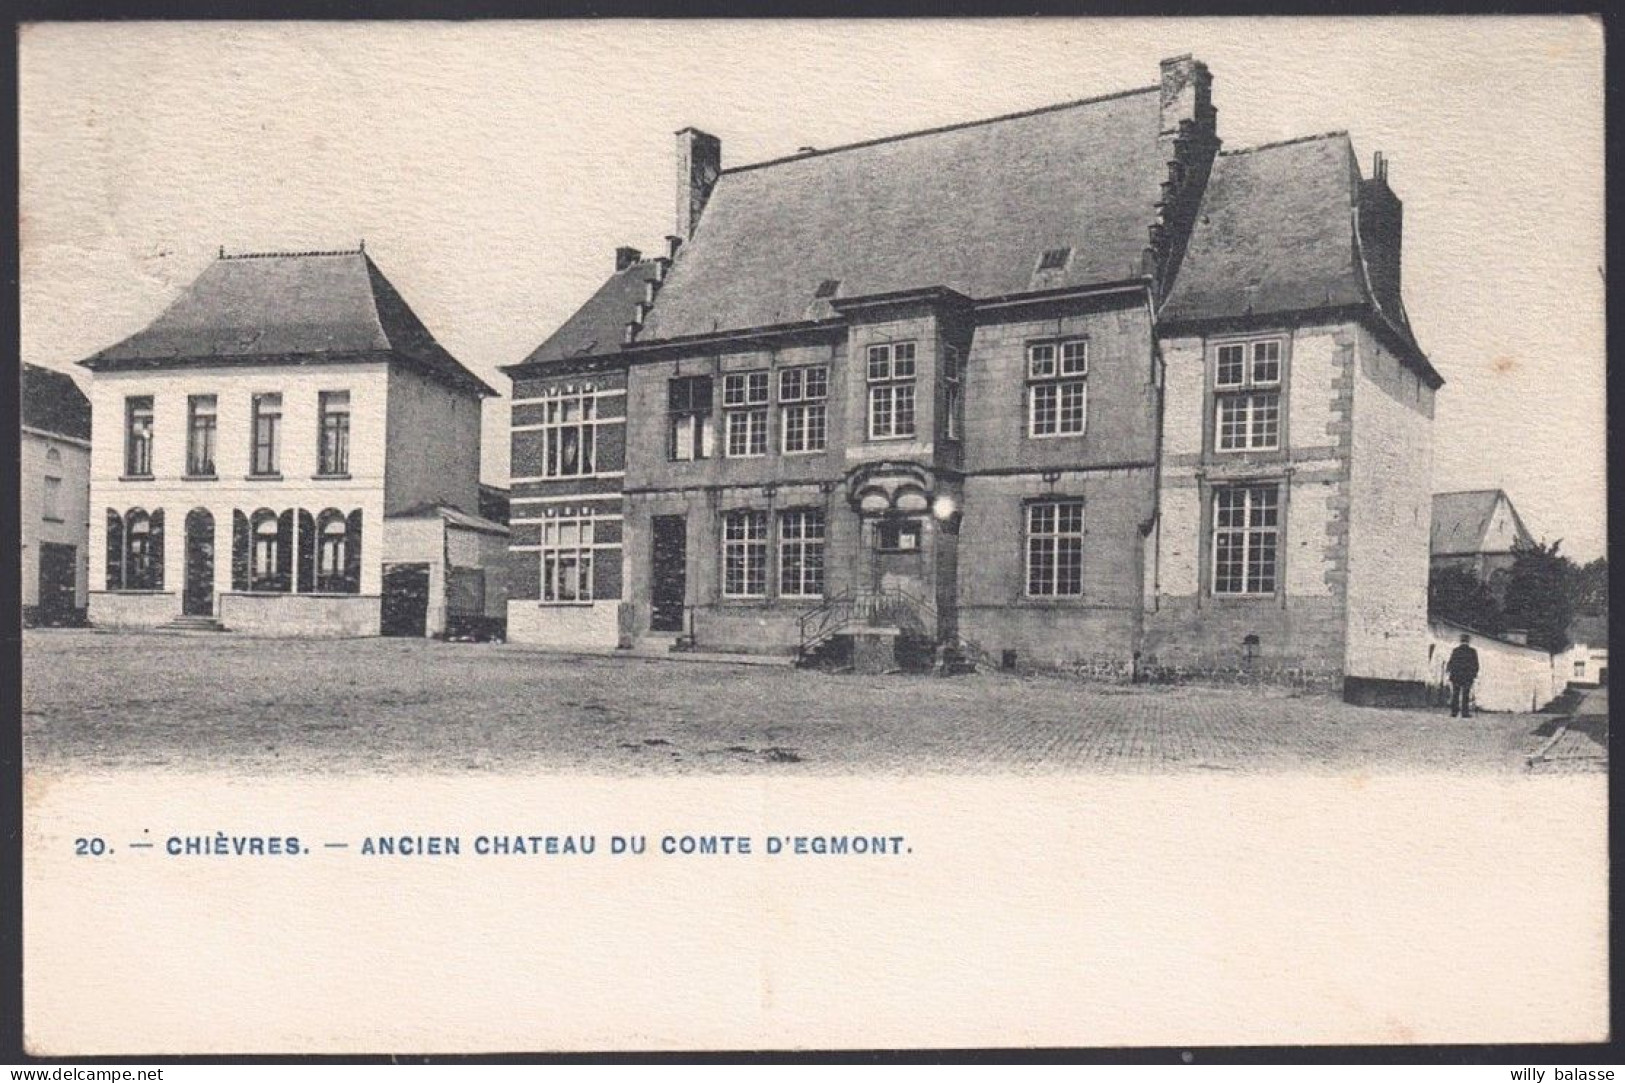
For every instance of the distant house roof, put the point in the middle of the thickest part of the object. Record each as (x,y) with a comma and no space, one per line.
(288,308)
(597,326)
(52,402)
(448,514)
(1589,629)
(1461,519)
(1276,234)
(973,208)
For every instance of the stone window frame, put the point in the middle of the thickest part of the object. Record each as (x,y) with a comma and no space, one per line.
(333,440)
(581,549)
(1057,378)
(1217,393)
(746,406)
(804,544)
(805,404)
(883,383)
(200,437)
(701,434)
(749,545)
(1210,490)
(51,492)
(953,393)
(270,441)
(1028,536)
(139,441)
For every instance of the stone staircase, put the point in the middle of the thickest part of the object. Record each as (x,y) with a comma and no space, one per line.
(189,625)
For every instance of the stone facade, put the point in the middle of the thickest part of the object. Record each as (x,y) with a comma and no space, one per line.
(1082,483)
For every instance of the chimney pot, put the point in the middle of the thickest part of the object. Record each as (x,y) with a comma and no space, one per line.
(699,164)
(626,256)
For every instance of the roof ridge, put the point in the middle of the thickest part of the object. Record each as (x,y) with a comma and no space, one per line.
(898,137)
(1335,133)
(358,251)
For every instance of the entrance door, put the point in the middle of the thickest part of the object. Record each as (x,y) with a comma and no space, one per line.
(198,600)
(405,609)
(58,573)
(670,573)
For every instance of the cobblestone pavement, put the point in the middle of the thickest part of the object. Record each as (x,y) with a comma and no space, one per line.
(1581,741)
(104,700)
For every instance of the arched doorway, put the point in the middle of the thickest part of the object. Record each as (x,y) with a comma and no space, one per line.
(198,600)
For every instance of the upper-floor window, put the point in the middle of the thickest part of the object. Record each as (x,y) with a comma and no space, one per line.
(1247,395)
(953,383)
(1055,549)
(1057,387)
(801,553)
(891,371)
(569,428)
(744,554)
(803,411)
(202,427)
(334,408)
(51,496)
(138,436)
(1246,539)
(688,400)
(744,413)
(267,456)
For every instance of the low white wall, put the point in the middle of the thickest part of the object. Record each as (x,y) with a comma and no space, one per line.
(301,615)
(133,609)
(566,627)
(1510,677)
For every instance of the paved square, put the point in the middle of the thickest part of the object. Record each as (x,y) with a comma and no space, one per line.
(102,700)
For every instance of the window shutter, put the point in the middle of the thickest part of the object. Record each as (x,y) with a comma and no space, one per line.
(156,579)
(352,552)
(239,551)
(284,550)
(115,550)
(307,552)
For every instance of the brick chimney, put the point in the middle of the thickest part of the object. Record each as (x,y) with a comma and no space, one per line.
(1188,138)
(1382,232)
(699,163)
(1187,94)
(626,256)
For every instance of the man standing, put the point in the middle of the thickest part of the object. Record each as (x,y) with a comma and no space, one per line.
(1462,670)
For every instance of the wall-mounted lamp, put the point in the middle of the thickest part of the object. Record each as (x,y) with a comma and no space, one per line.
(1051,476)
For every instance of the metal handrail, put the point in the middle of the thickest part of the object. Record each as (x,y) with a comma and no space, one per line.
(823,622)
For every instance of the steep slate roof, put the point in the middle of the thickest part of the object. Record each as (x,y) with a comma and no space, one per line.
(288,308)
(598,325)
(52,402)
(1460,520)
(1276,234)
(971,207)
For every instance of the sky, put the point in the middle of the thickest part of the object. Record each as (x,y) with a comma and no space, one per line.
(493,167)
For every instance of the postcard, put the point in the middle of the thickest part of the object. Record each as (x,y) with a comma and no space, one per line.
(812,535)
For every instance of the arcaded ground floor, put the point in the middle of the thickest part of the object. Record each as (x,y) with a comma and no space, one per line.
(104,700)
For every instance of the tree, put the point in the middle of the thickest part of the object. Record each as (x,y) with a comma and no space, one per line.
(1539,593)
(1590,593)
(1456,595)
